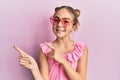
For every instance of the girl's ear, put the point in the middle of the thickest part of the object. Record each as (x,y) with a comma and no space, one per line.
(74,28)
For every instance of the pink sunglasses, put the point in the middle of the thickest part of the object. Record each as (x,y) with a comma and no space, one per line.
(65,21)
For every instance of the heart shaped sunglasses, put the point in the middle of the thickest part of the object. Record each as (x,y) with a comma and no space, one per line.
(65,21)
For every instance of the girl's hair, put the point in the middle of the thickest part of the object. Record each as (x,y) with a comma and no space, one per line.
(75,12)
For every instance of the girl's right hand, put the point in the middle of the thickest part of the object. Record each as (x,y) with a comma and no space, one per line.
(55,54)
(26,60)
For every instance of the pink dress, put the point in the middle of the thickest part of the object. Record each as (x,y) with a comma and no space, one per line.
(56,71)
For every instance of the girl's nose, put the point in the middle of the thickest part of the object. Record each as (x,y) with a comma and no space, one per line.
(60,24)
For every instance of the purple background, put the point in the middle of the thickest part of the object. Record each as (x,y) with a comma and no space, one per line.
(26,24)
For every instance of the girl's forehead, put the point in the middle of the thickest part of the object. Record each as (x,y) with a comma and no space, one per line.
(64,13)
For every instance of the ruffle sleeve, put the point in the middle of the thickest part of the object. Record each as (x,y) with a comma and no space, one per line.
(76,53)
(44,48)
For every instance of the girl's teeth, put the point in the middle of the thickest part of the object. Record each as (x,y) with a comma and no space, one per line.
(60,30)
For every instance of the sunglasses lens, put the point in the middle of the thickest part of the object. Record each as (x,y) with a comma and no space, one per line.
(54,21)
(66,22)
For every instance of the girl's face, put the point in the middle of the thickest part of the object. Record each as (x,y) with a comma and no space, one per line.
(62,23)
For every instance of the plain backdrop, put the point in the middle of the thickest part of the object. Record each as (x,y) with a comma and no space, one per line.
(25,23)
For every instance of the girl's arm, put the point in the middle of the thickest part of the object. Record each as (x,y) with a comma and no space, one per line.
(43,65)
(36,74)
(80,73)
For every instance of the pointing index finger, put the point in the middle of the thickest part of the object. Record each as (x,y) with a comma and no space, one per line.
(19,50)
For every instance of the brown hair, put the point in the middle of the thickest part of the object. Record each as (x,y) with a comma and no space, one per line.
(75,12)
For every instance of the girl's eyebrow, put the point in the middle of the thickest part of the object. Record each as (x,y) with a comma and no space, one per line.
(66,18)
(56,17)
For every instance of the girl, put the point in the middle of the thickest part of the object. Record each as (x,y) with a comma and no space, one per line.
(63,58)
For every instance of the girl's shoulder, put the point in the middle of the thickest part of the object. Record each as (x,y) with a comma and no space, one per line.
(80,45)
(44,47)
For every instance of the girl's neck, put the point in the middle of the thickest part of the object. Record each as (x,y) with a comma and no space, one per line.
(63,42)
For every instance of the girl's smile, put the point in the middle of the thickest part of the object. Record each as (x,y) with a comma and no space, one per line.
(60,30)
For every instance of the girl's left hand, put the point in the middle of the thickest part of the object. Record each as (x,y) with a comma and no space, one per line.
(55,54)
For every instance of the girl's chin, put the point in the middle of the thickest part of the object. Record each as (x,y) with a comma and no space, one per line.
(60,35)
